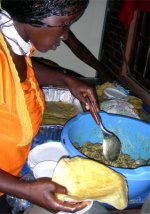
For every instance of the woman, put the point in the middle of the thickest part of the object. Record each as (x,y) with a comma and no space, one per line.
(25,25)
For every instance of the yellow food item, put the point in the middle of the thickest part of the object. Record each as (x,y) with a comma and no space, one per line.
(136,102)
(100,89)
(58,112)
(87,179)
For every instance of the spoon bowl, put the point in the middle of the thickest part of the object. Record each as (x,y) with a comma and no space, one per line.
(111,143)
(111,146)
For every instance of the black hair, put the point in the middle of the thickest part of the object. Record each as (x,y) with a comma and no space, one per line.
(27,10)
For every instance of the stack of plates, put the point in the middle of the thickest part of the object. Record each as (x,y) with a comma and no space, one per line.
(43,158)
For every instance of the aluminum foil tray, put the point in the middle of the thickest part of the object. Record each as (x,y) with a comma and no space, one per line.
(60,94)
(46,133)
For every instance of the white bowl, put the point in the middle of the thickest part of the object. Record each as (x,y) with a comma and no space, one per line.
(84,210)
(45,152)
(44,169)
(114,93)
(39,210)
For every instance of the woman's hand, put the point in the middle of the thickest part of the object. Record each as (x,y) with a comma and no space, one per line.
(43,192)
(81,91)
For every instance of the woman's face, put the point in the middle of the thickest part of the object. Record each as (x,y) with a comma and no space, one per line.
(49,37)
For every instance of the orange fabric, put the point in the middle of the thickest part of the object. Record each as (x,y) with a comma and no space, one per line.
(34,99)
(21,110)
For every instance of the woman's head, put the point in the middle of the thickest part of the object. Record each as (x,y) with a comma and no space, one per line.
(27,11)
(46,22)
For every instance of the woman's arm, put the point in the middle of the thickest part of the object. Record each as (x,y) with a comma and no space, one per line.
(41,192)
(81,51)
(47,75)
(84,54)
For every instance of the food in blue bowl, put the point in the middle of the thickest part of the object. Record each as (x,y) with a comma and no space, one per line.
(134,135)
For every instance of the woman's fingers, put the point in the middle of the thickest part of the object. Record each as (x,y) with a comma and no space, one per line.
(68,206)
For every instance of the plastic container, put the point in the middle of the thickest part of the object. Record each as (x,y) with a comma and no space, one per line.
(133,133)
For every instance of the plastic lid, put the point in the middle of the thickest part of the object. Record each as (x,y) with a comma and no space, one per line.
(114,93)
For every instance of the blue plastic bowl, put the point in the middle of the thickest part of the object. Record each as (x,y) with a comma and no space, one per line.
(133,133)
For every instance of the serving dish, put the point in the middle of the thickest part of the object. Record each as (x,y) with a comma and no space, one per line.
(135,138)
(60,94)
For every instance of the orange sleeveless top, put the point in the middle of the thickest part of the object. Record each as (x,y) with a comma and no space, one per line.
(21,110)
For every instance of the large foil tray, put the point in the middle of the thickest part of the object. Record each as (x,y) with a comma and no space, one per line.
(61,94)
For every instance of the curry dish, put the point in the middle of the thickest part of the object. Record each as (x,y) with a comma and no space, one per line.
(95,152)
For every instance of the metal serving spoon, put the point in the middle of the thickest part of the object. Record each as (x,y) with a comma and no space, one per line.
(111,143)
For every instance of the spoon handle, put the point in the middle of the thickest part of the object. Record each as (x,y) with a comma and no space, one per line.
(94,112)
(97,117)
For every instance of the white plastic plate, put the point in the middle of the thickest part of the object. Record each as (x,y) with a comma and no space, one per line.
(47,151)
(44,169)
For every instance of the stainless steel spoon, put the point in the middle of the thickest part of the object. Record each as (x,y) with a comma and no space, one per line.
(111,143)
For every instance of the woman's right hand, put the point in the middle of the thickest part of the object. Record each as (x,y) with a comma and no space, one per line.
(43,192)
